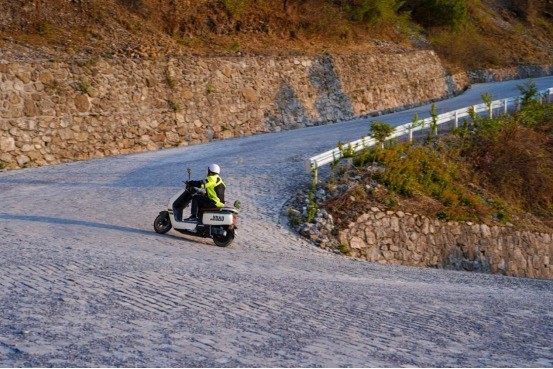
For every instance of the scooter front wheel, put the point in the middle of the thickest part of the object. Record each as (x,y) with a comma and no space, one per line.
(162,224)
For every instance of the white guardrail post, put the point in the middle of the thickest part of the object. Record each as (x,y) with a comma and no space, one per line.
(327,157)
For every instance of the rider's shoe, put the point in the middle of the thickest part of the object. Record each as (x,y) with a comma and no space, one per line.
(191,218)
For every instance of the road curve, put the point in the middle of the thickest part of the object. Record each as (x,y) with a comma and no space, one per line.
(84,280)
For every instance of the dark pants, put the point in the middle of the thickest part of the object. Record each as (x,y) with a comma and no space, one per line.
(181,203)
(200,201)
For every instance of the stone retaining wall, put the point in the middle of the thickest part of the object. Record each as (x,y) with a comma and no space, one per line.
(56,111)
(462,80)
(408,239)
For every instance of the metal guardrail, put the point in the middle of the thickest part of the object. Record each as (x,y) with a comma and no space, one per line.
(330,156)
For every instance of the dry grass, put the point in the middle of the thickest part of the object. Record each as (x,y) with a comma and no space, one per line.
(517,164)
(158,28)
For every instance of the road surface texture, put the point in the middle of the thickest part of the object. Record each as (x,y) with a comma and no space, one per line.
(85,281)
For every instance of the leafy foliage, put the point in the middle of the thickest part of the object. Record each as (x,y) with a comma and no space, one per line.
(413,170)
(374,11)
(528,91)
(381,131)
(493,170)
(236,7)
(439,13)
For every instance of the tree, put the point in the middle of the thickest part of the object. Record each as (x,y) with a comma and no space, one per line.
(439,13)
(380,131)
(488,100)
(529,92)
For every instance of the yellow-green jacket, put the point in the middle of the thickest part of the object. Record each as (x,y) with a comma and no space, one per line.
(215,189)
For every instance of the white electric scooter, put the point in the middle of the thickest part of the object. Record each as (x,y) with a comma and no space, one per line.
(218,224)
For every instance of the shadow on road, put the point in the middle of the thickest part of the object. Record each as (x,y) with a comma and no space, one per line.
(51,220)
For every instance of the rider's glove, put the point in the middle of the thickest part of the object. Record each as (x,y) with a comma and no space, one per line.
(195,183)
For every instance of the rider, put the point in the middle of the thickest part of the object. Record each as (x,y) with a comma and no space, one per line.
(215,192)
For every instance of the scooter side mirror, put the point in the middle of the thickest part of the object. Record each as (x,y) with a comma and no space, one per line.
(237,204)
(189,172)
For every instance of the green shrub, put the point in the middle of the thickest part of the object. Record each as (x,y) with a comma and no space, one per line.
(344,249)
(174,106)
(374,11)
(494,169)
(84,86)
(528,91)
(312,205)
(236,7)
(380,131)
(421,170)
(45,29)
(439,13)
(294,220)
(169,80)
(234,46)
(209,90)
(346,151)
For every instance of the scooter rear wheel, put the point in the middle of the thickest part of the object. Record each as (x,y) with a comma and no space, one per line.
(162,224)
(224,241)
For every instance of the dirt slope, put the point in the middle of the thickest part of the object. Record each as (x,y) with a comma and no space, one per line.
(497,32)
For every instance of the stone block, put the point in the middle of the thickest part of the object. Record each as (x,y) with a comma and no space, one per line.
(66,134)
(425,226)
(394,224)
(6,158)
(250,94)
(82,103)
(370,236)
(537,262)
(22,160)
(29,108)
(34,155)
(26,148)
(81,136)
(357,243)
(172,137)
(7,144)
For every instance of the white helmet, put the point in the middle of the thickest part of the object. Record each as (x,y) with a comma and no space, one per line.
(214,168)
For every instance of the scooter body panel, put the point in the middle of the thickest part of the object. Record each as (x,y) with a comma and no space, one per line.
(217,218)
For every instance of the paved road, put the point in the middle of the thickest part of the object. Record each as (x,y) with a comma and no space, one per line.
(84,280)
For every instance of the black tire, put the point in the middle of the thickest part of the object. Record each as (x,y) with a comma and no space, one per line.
(224,241)
(162,224)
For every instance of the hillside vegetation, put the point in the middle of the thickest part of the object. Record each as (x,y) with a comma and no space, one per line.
(493,171)
(467,34)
